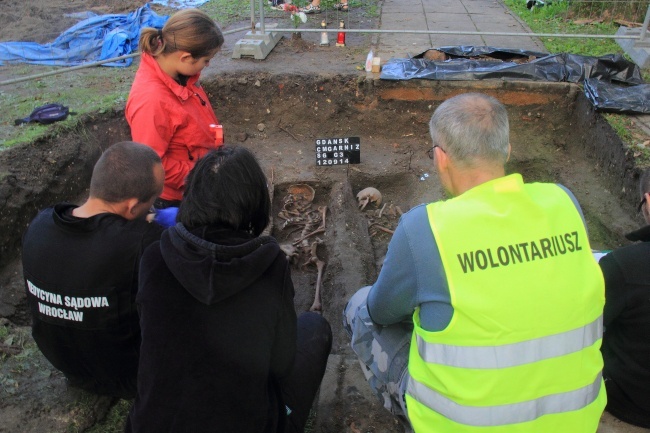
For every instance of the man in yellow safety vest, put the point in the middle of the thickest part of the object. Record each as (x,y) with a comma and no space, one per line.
(487,314)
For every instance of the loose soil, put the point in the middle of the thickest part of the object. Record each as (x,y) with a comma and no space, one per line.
(278,108)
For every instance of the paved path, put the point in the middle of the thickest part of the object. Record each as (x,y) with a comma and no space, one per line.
(448,15)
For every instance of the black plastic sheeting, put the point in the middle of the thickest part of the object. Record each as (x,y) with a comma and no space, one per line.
(618,99)
(514,64)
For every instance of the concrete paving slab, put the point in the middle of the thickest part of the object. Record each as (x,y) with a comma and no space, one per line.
(404,21)
(476,8)
(519,43)
(396,48)
(453,8)
(491,18)
(449,26)
(443,17)
(412,8)
(499,27)
(452,40)
(638,51)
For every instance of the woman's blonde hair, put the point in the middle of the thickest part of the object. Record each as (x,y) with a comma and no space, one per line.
(189,30)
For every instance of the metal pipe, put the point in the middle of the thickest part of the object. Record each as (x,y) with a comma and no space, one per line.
(262,17)
(449,32)
(89,65)
(253,16)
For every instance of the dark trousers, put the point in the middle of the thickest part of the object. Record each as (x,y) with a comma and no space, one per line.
(300,387)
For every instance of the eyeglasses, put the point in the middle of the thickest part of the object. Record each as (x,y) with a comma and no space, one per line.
(430,151)
(640,206)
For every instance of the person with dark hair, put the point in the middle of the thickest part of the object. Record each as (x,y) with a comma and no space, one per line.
(487,313)
(626,347)
(167,108)
(80,266)
(222,349)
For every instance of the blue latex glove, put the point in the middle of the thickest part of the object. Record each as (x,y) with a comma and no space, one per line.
(166,217)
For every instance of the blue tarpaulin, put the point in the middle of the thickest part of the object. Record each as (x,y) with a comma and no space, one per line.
(91,40)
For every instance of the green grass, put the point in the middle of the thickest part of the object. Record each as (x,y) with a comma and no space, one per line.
(631,136)
(553,19)
(89,91)
(226,12)
(114,420)
(557,18)
(621,125)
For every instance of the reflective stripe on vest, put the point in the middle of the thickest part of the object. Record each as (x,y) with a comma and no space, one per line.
(507,413)
(511,355)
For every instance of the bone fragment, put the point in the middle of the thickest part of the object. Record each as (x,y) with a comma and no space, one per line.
(381,211)
(368,195)
(382,228)
(316,305)
(319,229)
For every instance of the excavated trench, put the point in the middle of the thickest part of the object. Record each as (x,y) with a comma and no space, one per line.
(555,137)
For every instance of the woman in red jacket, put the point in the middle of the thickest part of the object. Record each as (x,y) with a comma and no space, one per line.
(167,108)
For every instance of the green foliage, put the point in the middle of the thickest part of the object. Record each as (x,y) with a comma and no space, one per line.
(620,124)
(114,420)
(569,18)
(297,19)
(556,18)
(226,12)
(633,137)
(94,90)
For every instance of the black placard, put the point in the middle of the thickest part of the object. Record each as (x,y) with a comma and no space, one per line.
(338,151)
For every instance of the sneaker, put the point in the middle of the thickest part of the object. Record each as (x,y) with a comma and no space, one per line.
(310,9)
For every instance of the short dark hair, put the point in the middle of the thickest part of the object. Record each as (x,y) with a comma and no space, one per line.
(226,188)
(125,170)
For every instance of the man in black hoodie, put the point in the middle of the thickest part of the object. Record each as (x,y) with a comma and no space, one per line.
(80,265)
(626,348)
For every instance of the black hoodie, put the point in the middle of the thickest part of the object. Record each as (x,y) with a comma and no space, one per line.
(81,276)
(218,332)
(626,346)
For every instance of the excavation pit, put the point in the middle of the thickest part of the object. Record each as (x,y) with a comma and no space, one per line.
(555,137)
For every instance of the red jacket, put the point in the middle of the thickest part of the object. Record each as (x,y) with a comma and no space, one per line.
(173,120)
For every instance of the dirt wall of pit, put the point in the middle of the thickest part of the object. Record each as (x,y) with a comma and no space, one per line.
(555,134)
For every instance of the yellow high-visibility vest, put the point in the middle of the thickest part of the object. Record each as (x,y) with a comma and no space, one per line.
(521,352)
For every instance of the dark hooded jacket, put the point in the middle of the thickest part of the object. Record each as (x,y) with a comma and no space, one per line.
(626,346)
(218,332)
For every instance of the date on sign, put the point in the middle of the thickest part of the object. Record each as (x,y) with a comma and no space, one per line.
(338,151)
